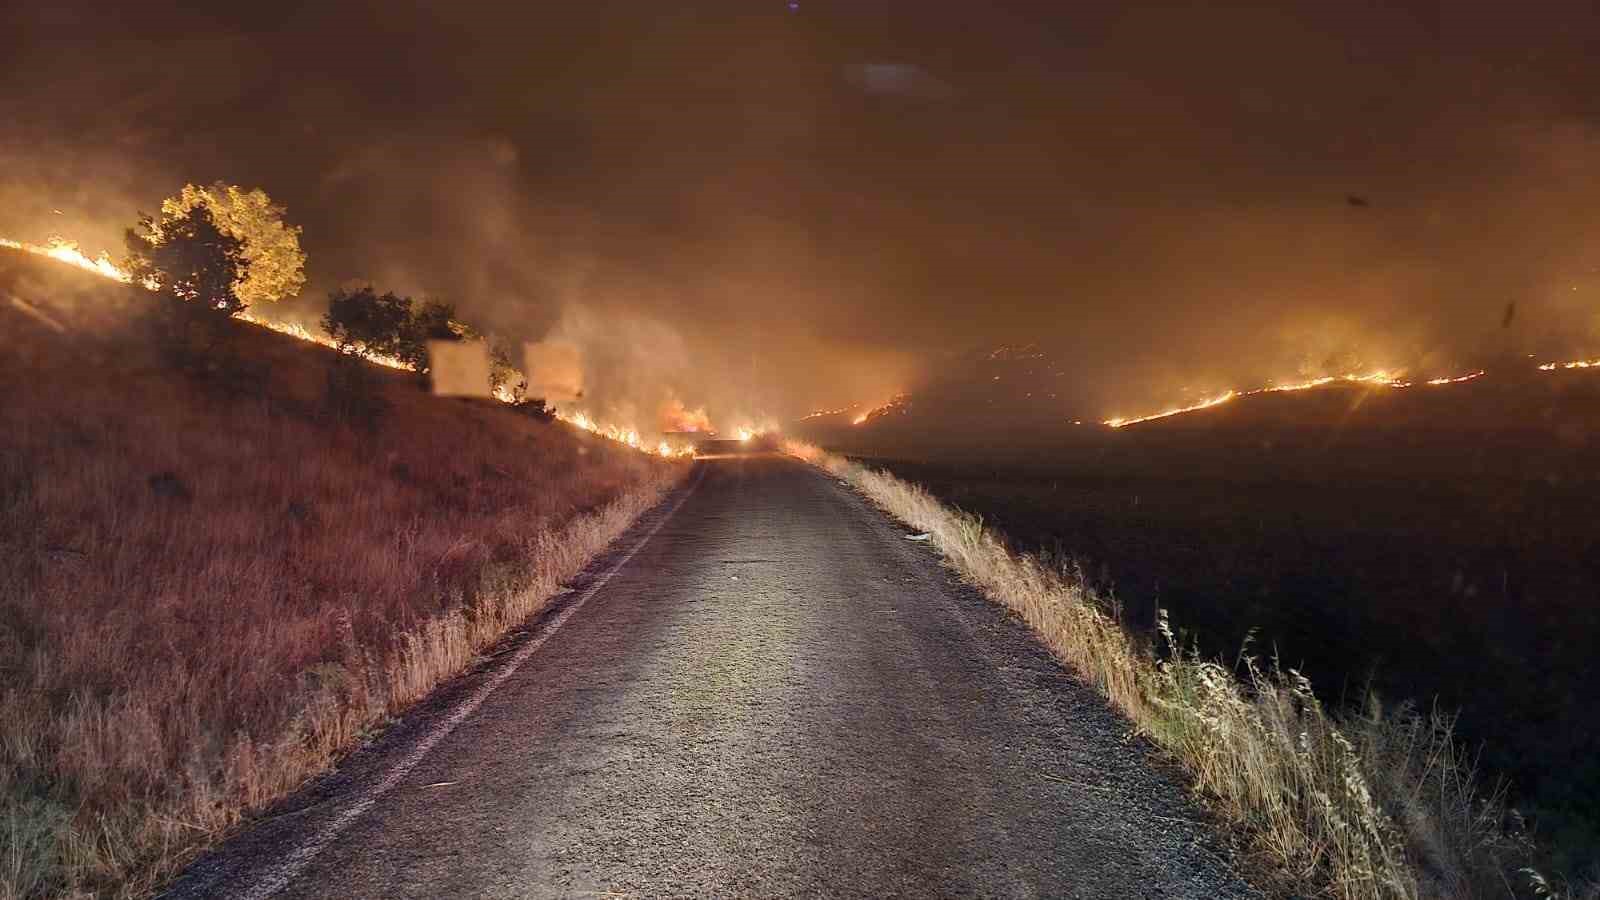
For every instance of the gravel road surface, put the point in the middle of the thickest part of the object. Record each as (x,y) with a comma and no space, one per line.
(776,694)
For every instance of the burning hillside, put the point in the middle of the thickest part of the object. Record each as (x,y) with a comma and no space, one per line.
(674,416)
(1014,378)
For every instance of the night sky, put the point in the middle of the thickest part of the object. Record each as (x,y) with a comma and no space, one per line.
(769,209)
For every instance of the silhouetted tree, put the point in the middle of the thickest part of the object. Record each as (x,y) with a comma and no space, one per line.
(364,321)
(434,320)
(188,257)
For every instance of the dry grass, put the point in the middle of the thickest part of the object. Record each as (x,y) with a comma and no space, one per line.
(1377,803)
(206,597)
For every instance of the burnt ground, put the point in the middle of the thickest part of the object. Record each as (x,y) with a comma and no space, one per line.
(1445,566)
(777,695)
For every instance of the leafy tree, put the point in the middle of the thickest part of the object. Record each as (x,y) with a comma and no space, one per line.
(188,256)
(364,321)
(271,247)
(434,320)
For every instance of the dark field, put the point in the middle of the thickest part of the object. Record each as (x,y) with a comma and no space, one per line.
(1451,565)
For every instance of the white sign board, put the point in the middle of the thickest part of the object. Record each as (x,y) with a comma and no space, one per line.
(554,370)
(459,368)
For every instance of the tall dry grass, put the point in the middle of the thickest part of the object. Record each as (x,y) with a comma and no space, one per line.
(1373,803)
(206,596)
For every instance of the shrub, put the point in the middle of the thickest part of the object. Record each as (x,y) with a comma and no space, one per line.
(353,393)
(366,322)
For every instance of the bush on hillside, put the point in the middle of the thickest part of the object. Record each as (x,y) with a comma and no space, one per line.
(433,320)
(365,322)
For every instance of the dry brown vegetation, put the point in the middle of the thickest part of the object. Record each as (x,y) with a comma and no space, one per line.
(208,593)
(1372,803)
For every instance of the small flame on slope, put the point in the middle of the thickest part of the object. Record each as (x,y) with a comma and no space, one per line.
(819,413)
(1458,379)
(1203,404)
(296,330)
(894,402)
(66,251)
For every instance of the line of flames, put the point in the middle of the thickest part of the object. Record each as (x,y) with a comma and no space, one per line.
(68,252)
(1383,379)
(884,407)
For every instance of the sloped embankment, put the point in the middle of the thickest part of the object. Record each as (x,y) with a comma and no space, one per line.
(213,584)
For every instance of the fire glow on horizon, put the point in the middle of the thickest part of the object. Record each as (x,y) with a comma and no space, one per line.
(68,252)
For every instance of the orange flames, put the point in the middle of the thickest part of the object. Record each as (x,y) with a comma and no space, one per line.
(1176,411)
(66,251)
(1380,378)
(1458,379)
(621,435)
(296,330)
(677,417)
(883,409)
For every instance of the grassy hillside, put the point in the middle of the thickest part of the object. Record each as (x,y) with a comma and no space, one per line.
(211,584)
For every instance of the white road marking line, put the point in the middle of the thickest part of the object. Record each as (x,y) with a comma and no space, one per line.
(295,861)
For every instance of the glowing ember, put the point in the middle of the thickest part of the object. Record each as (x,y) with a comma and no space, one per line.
(1575,364)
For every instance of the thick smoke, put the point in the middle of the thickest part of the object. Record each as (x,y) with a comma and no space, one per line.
(758,212)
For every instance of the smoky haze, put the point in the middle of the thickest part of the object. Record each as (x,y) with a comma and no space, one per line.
(762,210)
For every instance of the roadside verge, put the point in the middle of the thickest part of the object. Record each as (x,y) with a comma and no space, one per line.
(1377,803)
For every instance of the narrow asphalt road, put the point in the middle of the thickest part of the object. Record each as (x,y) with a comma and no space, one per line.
(776,695)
